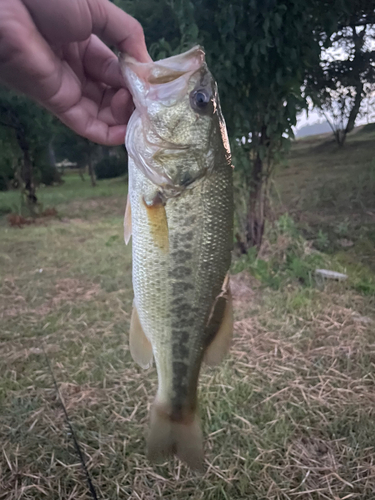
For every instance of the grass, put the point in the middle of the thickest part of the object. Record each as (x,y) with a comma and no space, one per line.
(288,415)
(69,196)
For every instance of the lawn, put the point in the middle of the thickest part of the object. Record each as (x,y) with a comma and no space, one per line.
(289,415)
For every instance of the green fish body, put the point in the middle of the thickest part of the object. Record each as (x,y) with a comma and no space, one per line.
(180,216)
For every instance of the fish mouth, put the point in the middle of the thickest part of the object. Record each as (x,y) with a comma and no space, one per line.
(163,83)
(164,70)
(160,80)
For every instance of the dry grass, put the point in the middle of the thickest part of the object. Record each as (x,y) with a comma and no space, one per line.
(289,414)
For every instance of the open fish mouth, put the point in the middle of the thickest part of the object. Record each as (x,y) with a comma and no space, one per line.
(158,81)
(157,87)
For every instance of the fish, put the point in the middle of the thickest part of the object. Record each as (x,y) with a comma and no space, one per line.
(179,214)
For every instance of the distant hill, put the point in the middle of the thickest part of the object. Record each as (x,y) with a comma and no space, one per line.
(314,129)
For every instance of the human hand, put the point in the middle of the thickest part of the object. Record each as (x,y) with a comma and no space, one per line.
(51,51)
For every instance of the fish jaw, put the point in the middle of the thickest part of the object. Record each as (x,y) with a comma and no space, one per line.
(169,134)
(164,80)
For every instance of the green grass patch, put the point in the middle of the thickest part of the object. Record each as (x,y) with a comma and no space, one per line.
(71,190)
(285,257)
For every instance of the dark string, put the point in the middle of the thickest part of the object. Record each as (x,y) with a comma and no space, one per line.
(75,441)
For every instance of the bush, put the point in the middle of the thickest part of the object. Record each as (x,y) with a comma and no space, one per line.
(111,167)
(46,174)
(6,174)
(3,183)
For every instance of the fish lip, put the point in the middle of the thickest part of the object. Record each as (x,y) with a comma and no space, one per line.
(186,63)
(163,81)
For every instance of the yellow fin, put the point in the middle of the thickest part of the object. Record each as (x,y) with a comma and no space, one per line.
(182,438)
(157,219)
(220,327)
(140,346)
(127,221)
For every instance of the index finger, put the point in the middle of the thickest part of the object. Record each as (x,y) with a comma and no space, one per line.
(61,21)
(118,28)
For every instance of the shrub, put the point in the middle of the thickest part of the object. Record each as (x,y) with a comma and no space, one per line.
(6,174)
(3,183)
(46,174)
(111,167)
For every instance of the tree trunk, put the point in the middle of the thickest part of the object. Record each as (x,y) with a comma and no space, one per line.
(27,169)
(91,170)
(355,109)
(340,136)
(255,214)
(359,40)
(52,162)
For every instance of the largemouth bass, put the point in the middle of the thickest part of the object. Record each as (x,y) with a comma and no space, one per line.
(180,216)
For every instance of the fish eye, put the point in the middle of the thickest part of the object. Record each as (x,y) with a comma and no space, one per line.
(201,98)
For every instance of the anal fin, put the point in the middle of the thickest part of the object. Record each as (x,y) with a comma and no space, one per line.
(140,346)
(127,221)
(220,327)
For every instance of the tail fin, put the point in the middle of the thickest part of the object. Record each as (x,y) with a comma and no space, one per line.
(182,438)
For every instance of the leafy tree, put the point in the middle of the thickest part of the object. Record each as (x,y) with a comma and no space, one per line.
(111,167)
(340,87)
(10,157)
(69,145)
(27,130)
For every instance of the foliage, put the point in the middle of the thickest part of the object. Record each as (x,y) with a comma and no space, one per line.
(9,158)
(26,132)
(83,152)
(47,175)
(111,167)
(344,82)
(68,145)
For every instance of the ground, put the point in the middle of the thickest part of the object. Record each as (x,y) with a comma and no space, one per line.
(288,415)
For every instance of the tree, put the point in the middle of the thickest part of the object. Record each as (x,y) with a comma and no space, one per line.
(29,130)
(340,87)
(69,145)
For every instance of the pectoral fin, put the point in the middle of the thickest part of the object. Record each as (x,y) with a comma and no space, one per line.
(220,327)
(127,222)
(157,219)
(140,346)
